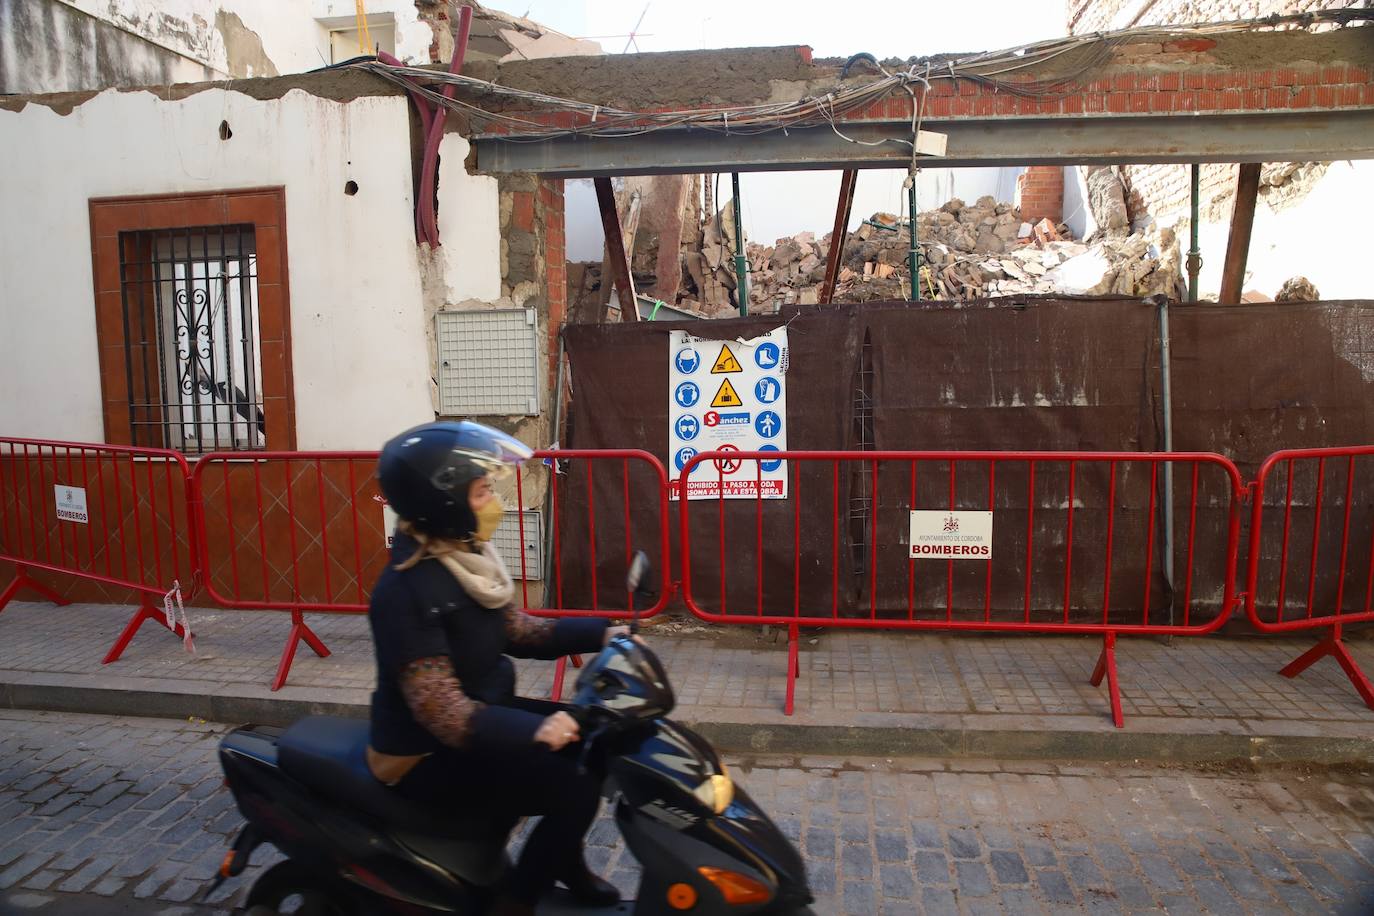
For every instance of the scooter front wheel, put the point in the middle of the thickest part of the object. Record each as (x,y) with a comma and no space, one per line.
(288,887)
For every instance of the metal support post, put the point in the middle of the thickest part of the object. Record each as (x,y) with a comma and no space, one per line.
(741,262)
(1194,262)
(1238,244)
(842,210)
(615,250)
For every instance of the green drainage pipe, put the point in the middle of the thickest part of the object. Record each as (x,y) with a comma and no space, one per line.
(741,263)
(913,255)
(1194,262)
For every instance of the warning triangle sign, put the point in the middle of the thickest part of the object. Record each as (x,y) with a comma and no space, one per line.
(726,396)
(726,363)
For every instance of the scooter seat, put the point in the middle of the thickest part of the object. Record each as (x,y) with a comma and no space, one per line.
(328,755)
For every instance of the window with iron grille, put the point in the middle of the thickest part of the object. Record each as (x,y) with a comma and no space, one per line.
(193,352)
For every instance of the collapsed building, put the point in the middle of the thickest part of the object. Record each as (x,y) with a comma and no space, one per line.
(393,238)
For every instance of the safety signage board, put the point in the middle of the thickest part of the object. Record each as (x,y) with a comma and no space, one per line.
(71,504)
(728,396)
(944,534)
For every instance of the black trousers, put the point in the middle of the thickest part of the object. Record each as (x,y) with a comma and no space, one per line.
(534,782)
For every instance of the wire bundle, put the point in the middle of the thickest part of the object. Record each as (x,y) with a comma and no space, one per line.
(994,69)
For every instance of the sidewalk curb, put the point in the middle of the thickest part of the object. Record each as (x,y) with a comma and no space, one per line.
(918,740)
(1031,744)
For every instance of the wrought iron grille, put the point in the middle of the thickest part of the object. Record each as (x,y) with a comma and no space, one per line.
(193,352)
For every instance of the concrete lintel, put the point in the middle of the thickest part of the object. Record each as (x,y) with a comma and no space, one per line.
(1079,140)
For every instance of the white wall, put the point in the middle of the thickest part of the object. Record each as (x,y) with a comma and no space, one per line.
(358,336)
(1321,238)
(291,35)
(1078,212)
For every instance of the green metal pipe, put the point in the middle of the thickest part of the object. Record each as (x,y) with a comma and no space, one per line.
(913,255)
(1194,262)
(741,262)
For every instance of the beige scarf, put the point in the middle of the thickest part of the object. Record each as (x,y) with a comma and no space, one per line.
(482,574)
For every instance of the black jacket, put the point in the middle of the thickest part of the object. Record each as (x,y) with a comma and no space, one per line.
(423,612)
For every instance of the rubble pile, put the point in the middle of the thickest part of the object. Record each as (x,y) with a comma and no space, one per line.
(966,252)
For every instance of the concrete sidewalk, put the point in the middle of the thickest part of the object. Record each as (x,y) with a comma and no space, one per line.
(859,692)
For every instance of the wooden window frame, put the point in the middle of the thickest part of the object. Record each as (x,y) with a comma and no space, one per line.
(265,210)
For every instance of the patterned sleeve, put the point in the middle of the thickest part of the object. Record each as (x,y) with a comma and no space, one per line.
(526,633)
(437,701)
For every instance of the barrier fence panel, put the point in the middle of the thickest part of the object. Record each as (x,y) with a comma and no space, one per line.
(1311,560)
(307,532)
(606,504)
(289,531)
(102,519)
(1039,542)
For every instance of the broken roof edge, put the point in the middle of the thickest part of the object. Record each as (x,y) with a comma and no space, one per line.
(345,84)
(338,85)
(736,76)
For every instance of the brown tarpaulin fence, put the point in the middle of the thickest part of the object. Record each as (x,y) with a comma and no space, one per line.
(1010,374)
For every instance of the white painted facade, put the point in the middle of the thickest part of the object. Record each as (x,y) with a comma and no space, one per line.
(62,45)
(358,327)
(294,33)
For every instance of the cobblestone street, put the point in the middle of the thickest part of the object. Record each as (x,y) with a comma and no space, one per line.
(100,814)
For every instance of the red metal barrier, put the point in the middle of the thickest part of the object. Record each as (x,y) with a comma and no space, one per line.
(1072,533)
(304,531)
(112,516)
(286,531)
(1327,499)
(582,465)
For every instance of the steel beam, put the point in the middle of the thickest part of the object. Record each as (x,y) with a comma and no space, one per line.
(1275,136)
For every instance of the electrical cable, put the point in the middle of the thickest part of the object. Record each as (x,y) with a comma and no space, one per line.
(986,69)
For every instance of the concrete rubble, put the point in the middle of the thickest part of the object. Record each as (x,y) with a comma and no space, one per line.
(967,251)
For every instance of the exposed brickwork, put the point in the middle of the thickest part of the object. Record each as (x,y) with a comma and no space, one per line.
(1162,192)
(1187,74)
(1040,193)
(522,212)
(556,259)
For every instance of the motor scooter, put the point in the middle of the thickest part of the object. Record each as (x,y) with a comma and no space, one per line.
(355,846)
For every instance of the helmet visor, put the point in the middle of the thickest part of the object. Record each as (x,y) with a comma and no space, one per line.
(490,451)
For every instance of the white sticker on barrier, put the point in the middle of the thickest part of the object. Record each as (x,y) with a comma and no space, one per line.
(389,520)
(944,534)
(71,504)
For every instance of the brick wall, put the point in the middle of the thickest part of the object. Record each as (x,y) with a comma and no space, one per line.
(1040,193)
(1087,16)
(1162,192)
(556,264)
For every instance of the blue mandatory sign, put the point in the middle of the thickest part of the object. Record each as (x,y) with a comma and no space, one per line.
(683,456)
(768,390)
(687,360)
(687,394)
(770,466)
(687,427)
(766,355)
(768,424)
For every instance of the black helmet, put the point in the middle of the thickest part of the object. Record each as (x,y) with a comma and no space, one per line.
(425,472)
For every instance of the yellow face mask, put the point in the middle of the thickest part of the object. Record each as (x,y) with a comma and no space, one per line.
(489,518)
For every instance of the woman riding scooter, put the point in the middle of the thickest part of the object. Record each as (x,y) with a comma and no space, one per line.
(447,727)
